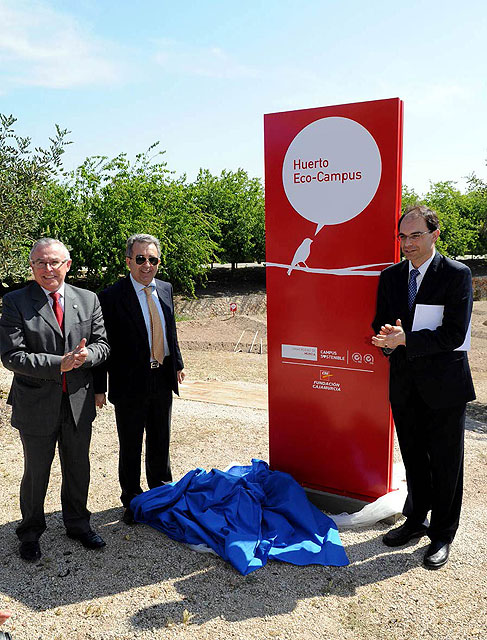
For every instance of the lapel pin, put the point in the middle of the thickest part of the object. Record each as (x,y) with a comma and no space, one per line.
(75,306)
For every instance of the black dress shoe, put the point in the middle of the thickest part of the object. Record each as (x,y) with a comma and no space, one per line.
(30,551)
(128,516)
(403,534)
(436,554)
(88,539)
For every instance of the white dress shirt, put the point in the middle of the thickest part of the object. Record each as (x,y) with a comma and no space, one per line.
(141,296)
(61,294)
(422,270)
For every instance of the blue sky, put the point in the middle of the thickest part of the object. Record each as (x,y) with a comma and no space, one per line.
(198,76)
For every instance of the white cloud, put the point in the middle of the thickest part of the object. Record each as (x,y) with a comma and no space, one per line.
(210,62)
(40,47)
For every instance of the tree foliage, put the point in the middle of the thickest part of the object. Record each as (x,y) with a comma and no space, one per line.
(459,234)
(237,204)
(216,218)
(462,216)
(24,174)
(409,198)
(477,198)
(106,201)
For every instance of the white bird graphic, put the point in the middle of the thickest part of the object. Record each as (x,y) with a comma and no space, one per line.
(301,255)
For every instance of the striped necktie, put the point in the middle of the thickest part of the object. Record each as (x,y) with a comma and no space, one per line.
(412,288)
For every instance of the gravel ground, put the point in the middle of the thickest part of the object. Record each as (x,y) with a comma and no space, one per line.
(143,585)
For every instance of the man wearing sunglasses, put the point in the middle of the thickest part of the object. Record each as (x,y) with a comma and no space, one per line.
(51,335)
(430,380)
(144,368)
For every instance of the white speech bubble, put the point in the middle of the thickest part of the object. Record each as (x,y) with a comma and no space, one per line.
(331,171)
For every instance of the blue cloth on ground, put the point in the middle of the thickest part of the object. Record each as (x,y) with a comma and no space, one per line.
(246,515)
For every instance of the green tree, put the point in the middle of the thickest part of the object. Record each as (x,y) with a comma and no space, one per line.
(459,231)
(477,199)
(237,203)
(105,201)
(409,198)
(24,175)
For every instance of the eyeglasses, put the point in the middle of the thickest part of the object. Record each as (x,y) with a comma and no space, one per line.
(142,260)
(402,237)
(54,264)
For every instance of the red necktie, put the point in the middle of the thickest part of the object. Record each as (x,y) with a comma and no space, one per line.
(57,308)
(58,312)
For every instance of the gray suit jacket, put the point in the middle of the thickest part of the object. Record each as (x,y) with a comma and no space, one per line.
(32,345)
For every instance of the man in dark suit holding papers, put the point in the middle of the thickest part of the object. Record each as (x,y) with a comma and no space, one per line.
(430,380)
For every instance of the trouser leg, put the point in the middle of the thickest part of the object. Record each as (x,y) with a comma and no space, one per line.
(130,417)
(38,456)
(431,442)
(158,426)
(411,437)
(445,445)
(157,434)
(74,447)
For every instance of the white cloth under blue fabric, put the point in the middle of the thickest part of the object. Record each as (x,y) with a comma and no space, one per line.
(246,515)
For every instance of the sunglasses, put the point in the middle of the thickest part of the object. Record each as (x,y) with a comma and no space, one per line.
(142,259)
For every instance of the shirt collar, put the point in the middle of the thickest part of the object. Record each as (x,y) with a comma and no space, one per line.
(423,268)
(140,287)
(60,291)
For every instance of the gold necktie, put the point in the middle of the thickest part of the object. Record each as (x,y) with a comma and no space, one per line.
(157,334)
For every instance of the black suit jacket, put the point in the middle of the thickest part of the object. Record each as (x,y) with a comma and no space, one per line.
(429,361)
(128,365)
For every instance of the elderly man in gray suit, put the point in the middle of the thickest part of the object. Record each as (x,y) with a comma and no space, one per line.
(51,334)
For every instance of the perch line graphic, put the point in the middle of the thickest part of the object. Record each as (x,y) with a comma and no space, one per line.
(359,270)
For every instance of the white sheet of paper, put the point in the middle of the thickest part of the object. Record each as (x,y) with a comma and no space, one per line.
(430,316)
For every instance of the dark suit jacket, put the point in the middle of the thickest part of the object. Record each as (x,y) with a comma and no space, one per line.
(429,360)
(32,346)
(128,364)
